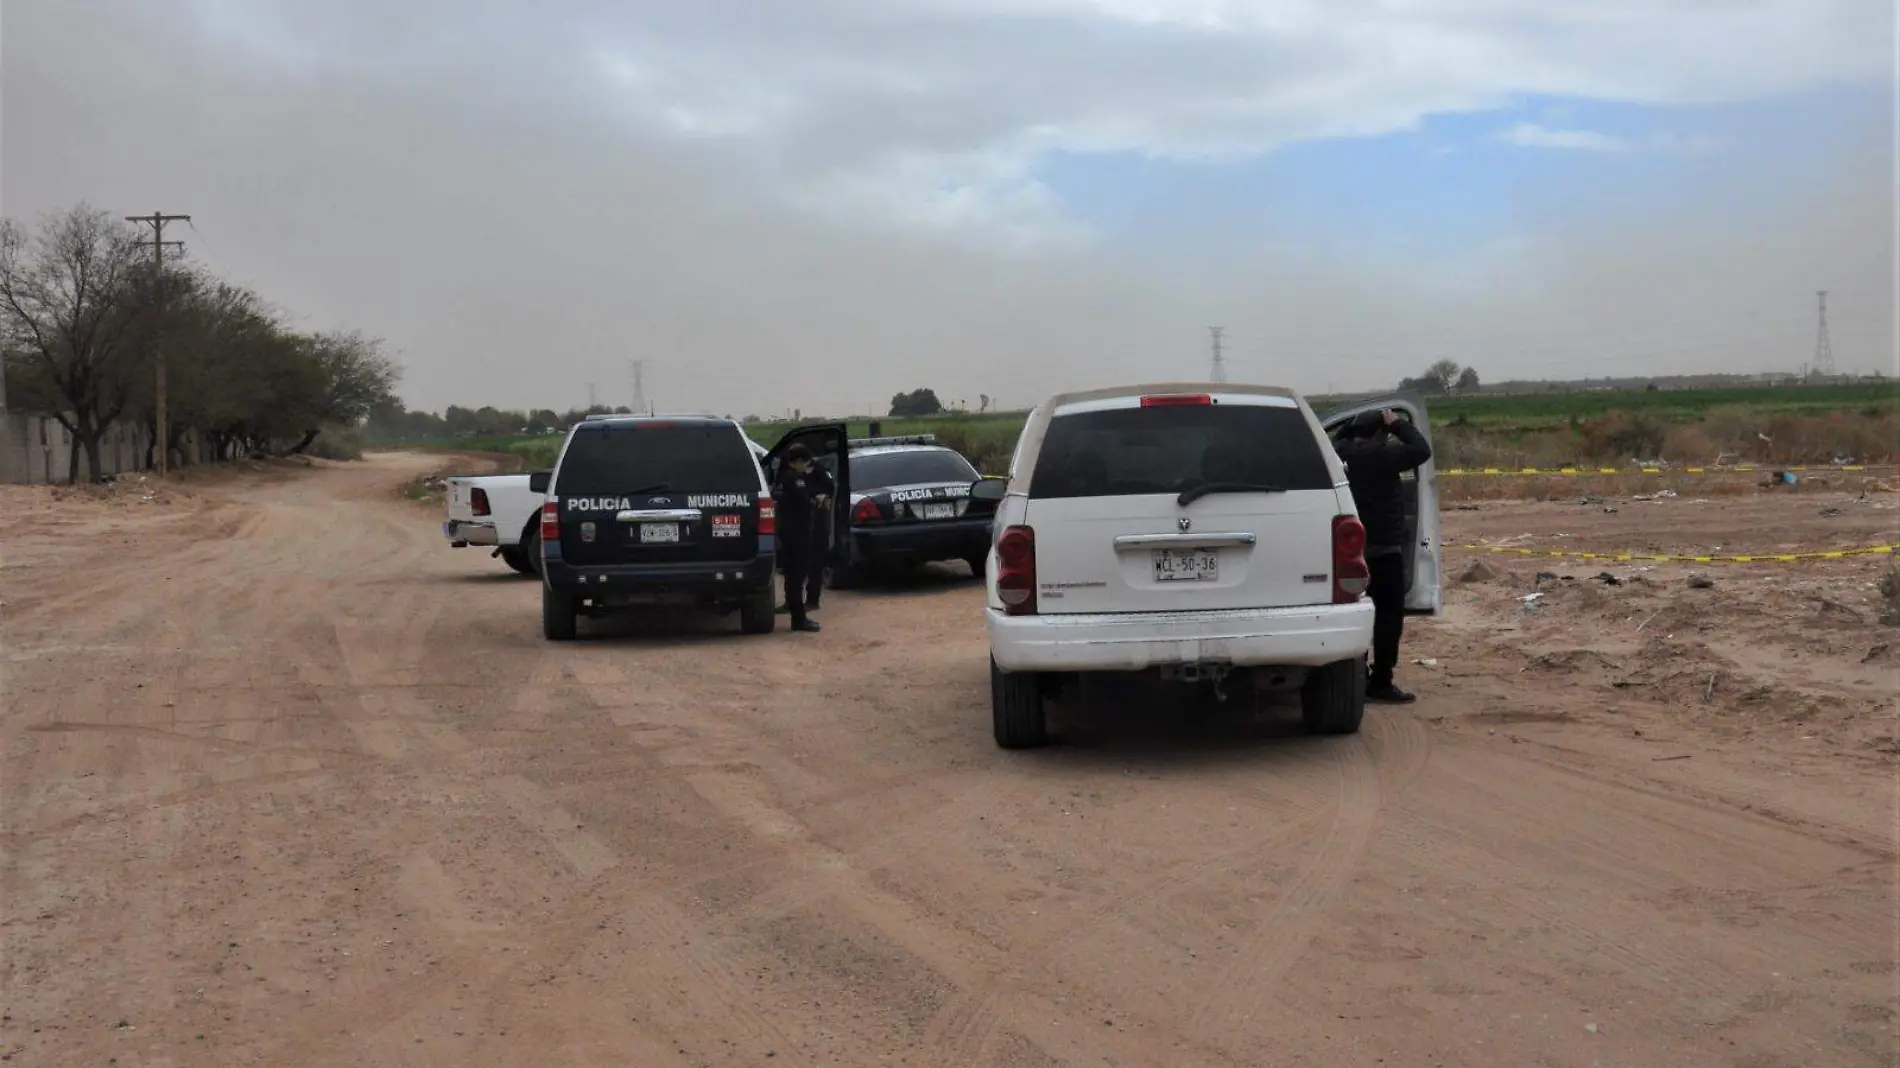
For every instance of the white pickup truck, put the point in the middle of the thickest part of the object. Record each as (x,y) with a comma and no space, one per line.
(498,511)
(503,512)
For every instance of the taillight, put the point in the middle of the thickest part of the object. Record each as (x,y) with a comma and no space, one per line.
(867,511)
(1351,576)
(1016,571)
(1177,400)
(768,516)
(550,522)
(478,501)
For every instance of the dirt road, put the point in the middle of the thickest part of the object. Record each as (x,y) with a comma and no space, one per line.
(288,782)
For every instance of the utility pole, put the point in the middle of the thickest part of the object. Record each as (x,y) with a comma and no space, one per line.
(639,370)
(161,429)
(1823,348)
(1219,373)
(593,399)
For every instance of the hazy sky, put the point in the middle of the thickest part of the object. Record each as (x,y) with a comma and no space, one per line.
(817,203)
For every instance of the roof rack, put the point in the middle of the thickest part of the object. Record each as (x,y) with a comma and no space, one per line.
(902,439)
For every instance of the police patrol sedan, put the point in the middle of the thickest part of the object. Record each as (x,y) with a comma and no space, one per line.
(911,505)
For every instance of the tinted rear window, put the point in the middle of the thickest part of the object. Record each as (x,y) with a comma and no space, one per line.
(909,468)
(619,460)
(1130,451)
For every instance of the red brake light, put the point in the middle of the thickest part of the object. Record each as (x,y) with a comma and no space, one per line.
(1351,576)
(478,501)
(1016,571)
(550,521)
(867,512)
(1177,400)
(768,516)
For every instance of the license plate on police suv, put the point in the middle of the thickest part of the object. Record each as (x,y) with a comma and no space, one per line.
(946,510)
(1187,565)
(659,533)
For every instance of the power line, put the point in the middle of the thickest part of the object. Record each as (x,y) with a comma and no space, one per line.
(161,430)
(1823,348)
(639,371)
(1219,372)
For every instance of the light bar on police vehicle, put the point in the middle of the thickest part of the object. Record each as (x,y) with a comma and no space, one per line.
(907,439)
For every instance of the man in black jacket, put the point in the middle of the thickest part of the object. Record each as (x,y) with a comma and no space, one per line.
(1377,448)
(801,491)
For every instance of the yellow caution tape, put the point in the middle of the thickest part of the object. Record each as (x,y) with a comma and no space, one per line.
(1556,472)
(1659,558)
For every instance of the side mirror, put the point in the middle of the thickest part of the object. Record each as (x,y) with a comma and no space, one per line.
(538,482)
(989,489)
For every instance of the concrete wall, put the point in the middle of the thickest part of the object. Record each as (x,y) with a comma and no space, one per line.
(37,449)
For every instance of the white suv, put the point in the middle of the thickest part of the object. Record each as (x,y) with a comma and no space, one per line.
(1192,530)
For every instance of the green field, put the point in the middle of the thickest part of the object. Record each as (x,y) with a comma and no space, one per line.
(1564,425)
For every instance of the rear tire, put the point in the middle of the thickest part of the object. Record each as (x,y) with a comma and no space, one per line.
(531,548)
(1017,709)
(759,613)
(1333,699)
(560,615)
(517,560)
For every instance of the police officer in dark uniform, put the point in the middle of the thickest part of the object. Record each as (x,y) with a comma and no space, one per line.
(803,495)
(1377,448)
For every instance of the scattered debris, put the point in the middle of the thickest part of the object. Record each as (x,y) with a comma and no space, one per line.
(1659,495)
(1677,756)
(1701,582)
(1829,513)
(1427,662)
(1608,579)
(1832,607)
(1878,652)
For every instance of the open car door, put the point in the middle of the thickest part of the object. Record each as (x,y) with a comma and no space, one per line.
(830,448)
(1425,564)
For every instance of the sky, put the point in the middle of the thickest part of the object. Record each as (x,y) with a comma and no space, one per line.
(811,205)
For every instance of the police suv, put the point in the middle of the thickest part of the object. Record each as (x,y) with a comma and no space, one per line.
(911,504)
(652,510)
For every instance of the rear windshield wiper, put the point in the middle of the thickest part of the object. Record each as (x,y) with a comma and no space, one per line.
(1194,493)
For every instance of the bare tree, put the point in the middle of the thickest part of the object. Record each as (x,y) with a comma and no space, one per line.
(353,375)
(1444,375)
(70,297)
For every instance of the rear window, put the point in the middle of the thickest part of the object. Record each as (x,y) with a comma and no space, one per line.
(619,460)
(1129,451)
(909,468)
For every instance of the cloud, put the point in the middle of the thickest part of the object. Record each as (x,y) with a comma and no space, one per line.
(934,114)
(816,205)
(1531,135)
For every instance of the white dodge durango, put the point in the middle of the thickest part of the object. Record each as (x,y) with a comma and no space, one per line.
(1201,531)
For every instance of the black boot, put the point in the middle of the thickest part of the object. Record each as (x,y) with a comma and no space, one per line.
(1386,693)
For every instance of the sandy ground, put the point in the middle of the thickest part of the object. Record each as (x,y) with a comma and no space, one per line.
(286,781)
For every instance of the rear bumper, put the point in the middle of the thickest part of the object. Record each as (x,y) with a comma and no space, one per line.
(923,542)
(465,532)
(1137,641)
(729,580)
